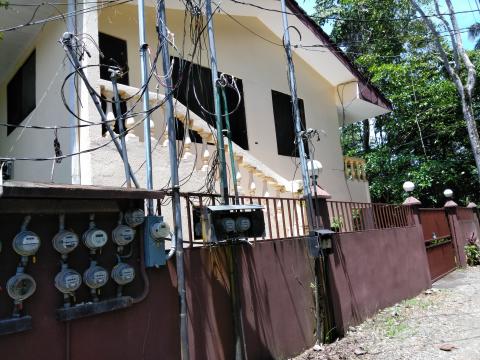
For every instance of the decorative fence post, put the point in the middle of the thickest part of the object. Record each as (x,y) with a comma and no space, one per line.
(455,228)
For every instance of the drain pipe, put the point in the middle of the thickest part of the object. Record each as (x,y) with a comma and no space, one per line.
(176,205)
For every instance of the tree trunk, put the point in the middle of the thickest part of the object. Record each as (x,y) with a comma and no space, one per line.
(366,135)
(472,132)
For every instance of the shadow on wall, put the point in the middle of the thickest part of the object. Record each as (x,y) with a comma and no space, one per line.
(374,269)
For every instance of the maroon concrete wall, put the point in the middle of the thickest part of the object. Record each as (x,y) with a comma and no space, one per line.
(276,295)
(374,269)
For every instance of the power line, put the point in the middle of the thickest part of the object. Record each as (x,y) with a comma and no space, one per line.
(302,13)
(62,16)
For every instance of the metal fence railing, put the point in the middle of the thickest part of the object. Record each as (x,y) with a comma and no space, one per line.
(354,216)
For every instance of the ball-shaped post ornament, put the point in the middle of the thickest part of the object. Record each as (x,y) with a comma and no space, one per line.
(408,186)
(448,193)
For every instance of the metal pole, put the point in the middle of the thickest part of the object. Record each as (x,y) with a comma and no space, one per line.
(172,147)
(114,74)
(230,146)
(146,100)
(67,43)
(218,109)
(75,166)
(296,111)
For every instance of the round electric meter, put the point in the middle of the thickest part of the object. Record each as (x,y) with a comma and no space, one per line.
(134,218)
(26,243)
(65,241)
(67,281)
(160,230)
(123,235)
(242,224)
(228,225)
(95,239)
(95,277)
(21,286)
(123,273)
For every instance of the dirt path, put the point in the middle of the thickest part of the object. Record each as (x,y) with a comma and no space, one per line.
(446,317)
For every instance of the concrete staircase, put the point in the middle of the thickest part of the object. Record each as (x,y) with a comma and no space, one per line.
(254,177)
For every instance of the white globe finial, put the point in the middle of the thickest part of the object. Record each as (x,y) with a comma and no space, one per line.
(448,193)
(408,186)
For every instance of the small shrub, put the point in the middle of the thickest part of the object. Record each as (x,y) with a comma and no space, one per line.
(472,251)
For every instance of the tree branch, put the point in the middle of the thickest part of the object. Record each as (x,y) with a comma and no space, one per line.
(450,32)
(472,74)
(443,55)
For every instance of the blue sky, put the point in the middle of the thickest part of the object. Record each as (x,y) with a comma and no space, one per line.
(464,20)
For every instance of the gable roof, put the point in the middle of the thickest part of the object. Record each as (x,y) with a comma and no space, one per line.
(368,91)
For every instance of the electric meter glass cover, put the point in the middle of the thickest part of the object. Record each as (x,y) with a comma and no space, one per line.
(228,225)
(160,230)
(123,235)
(95,238)
(65,242)
(26,243)
(242,224)
(135,218)
(21,286)
(123,273)
(68,281)
(95,277)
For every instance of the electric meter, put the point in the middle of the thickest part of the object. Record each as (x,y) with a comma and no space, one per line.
(160,230)
(95,276)
(123,235)
(65,242)
(94,238)
(26,243)
(242,224)
(123,273)
(228,225)
(68,281)
(134,218)
(21,286)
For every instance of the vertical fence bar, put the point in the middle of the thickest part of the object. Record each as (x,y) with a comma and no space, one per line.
(269,218)
(290,217)
(283,219)
(189,221)
(276,218)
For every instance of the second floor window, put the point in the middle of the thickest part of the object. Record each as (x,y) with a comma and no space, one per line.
(114,52)
(284,123)
(21,94)
(189,77)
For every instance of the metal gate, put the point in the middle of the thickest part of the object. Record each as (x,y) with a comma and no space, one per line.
(438,242)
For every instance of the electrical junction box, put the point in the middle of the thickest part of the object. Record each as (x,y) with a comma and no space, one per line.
(319,240)
(154,242)
(229,222)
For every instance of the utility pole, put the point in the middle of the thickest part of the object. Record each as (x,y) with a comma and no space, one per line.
(172,147)
(218,109)
(299,134)
(297,118)
(146,100)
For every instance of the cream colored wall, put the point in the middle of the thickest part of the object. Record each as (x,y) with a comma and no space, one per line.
(262,67)
(50,72)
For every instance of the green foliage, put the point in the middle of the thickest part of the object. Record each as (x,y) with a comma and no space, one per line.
(473,254)
(336,223)
(395,50)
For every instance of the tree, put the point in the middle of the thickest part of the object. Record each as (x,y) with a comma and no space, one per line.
(474,33)
(461,61)
(424,139)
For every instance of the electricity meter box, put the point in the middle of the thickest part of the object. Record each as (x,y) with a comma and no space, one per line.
(154,242)
(228,222)
(320,240)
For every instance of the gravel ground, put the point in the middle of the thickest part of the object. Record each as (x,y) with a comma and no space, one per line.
(442,323)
